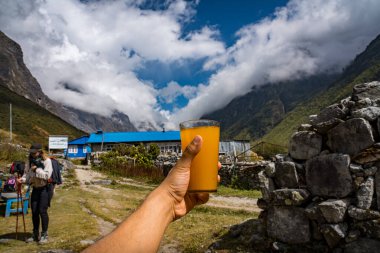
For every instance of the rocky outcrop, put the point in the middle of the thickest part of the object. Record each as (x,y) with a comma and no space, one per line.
(325,195)
(15,76)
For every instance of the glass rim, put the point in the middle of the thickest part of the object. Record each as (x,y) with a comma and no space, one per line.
(198,123)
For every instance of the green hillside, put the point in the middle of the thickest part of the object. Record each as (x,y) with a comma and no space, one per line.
(31,123)
(253,115)
(365,68)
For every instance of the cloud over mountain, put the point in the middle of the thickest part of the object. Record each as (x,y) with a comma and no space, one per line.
(303,38)
(87,54)
(97,46)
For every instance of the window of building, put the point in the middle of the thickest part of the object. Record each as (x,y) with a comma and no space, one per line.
(84,149)
(108,147)
(73,149)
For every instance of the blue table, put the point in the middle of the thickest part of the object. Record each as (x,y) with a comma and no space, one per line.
(11,198)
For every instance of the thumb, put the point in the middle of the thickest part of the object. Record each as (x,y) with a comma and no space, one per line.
(191,151)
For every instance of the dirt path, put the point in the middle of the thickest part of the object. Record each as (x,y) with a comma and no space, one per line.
(237,203)
(86,176)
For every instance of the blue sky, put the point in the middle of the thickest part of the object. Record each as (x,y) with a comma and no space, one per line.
(163,62)
(226,16)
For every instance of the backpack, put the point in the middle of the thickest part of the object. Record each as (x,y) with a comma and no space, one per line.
(17,167)
(56,177)
(10,185)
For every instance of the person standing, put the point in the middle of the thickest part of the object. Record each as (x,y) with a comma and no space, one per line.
(37,174)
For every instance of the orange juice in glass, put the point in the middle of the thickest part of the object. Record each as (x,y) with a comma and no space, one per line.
(204,167)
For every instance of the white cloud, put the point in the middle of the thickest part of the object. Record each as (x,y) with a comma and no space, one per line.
(173,90)
(98,46)
(305,37)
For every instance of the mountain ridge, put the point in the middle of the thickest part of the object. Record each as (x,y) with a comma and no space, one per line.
(15,76)
(252,115)
(30,122)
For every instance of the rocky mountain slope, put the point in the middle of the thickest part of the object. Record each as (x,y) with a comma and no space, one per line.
(31,122)
(15,76)
(254,114)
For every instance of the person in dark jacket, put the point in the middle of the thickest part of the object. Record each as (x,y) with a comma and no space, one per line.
(37,173)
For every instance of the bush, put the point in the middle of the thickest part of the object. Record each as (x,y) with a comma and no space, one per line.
(10,153)
(132,161)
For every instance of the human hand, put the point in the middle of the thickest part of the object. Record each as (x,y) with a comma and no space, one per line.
(33,167)
(19,180)
(177,182)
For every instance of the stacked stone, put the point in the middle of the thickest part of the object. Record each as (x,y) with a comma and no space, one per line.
(325,195)
(242,175)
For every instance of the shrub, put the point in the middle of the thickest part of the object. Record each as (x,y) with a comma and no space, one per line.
(10,153)
(132,161)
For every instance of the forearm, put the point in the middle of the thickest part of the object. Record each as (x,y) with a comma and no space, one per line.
(143,230)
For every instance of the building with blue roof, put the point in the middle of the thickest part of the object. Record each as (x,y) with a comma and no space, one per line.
(167,141)
(78,148)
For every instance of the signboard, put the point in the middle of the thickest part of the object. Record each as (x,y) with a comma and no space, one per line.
(58,142)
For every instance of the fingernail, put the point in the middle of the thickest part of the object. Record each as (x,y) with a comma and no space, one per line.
(197,139)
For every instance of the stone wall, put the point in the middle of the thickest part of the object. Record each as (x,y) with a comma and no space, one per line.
(243,175)
(325,195)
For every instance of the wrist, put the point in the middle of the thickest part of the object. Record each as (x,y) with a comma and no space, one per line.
(163,201)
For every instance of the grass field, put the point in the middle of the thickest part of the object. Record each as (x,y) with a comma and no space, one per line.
(79,213)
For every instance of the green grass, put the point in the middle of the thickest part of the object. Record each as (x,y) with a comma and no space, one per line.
(202,226)
(10,153)
(31,123)
(231,192)
(71,222)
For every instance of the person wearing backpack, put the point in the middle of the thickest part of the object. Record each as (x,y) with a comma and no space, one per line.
(55,179)
(37,174)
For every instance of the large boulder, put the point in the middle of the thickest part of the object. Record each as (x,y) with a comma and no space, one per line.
(289,197)
(370,228)
(288,224)
(362,214)
(377,187)
(365,193)
(329,175)
(369,90)
(305,145)
(327,114)
(286,175)
(333,233)
(363,245)
(368,155)
(369,113)
(350,137)
(325,126)
(266,185)
(333,210)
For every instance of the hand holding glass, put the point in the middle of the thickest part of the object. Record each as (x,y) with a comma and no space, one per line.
(204,168)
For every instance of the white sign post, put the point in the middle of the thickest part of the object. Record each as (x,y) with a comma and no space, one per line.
(58,142)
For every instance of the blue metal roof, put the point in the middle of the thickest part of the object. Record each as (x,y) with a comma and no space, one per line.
(79,141)
(132,137)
